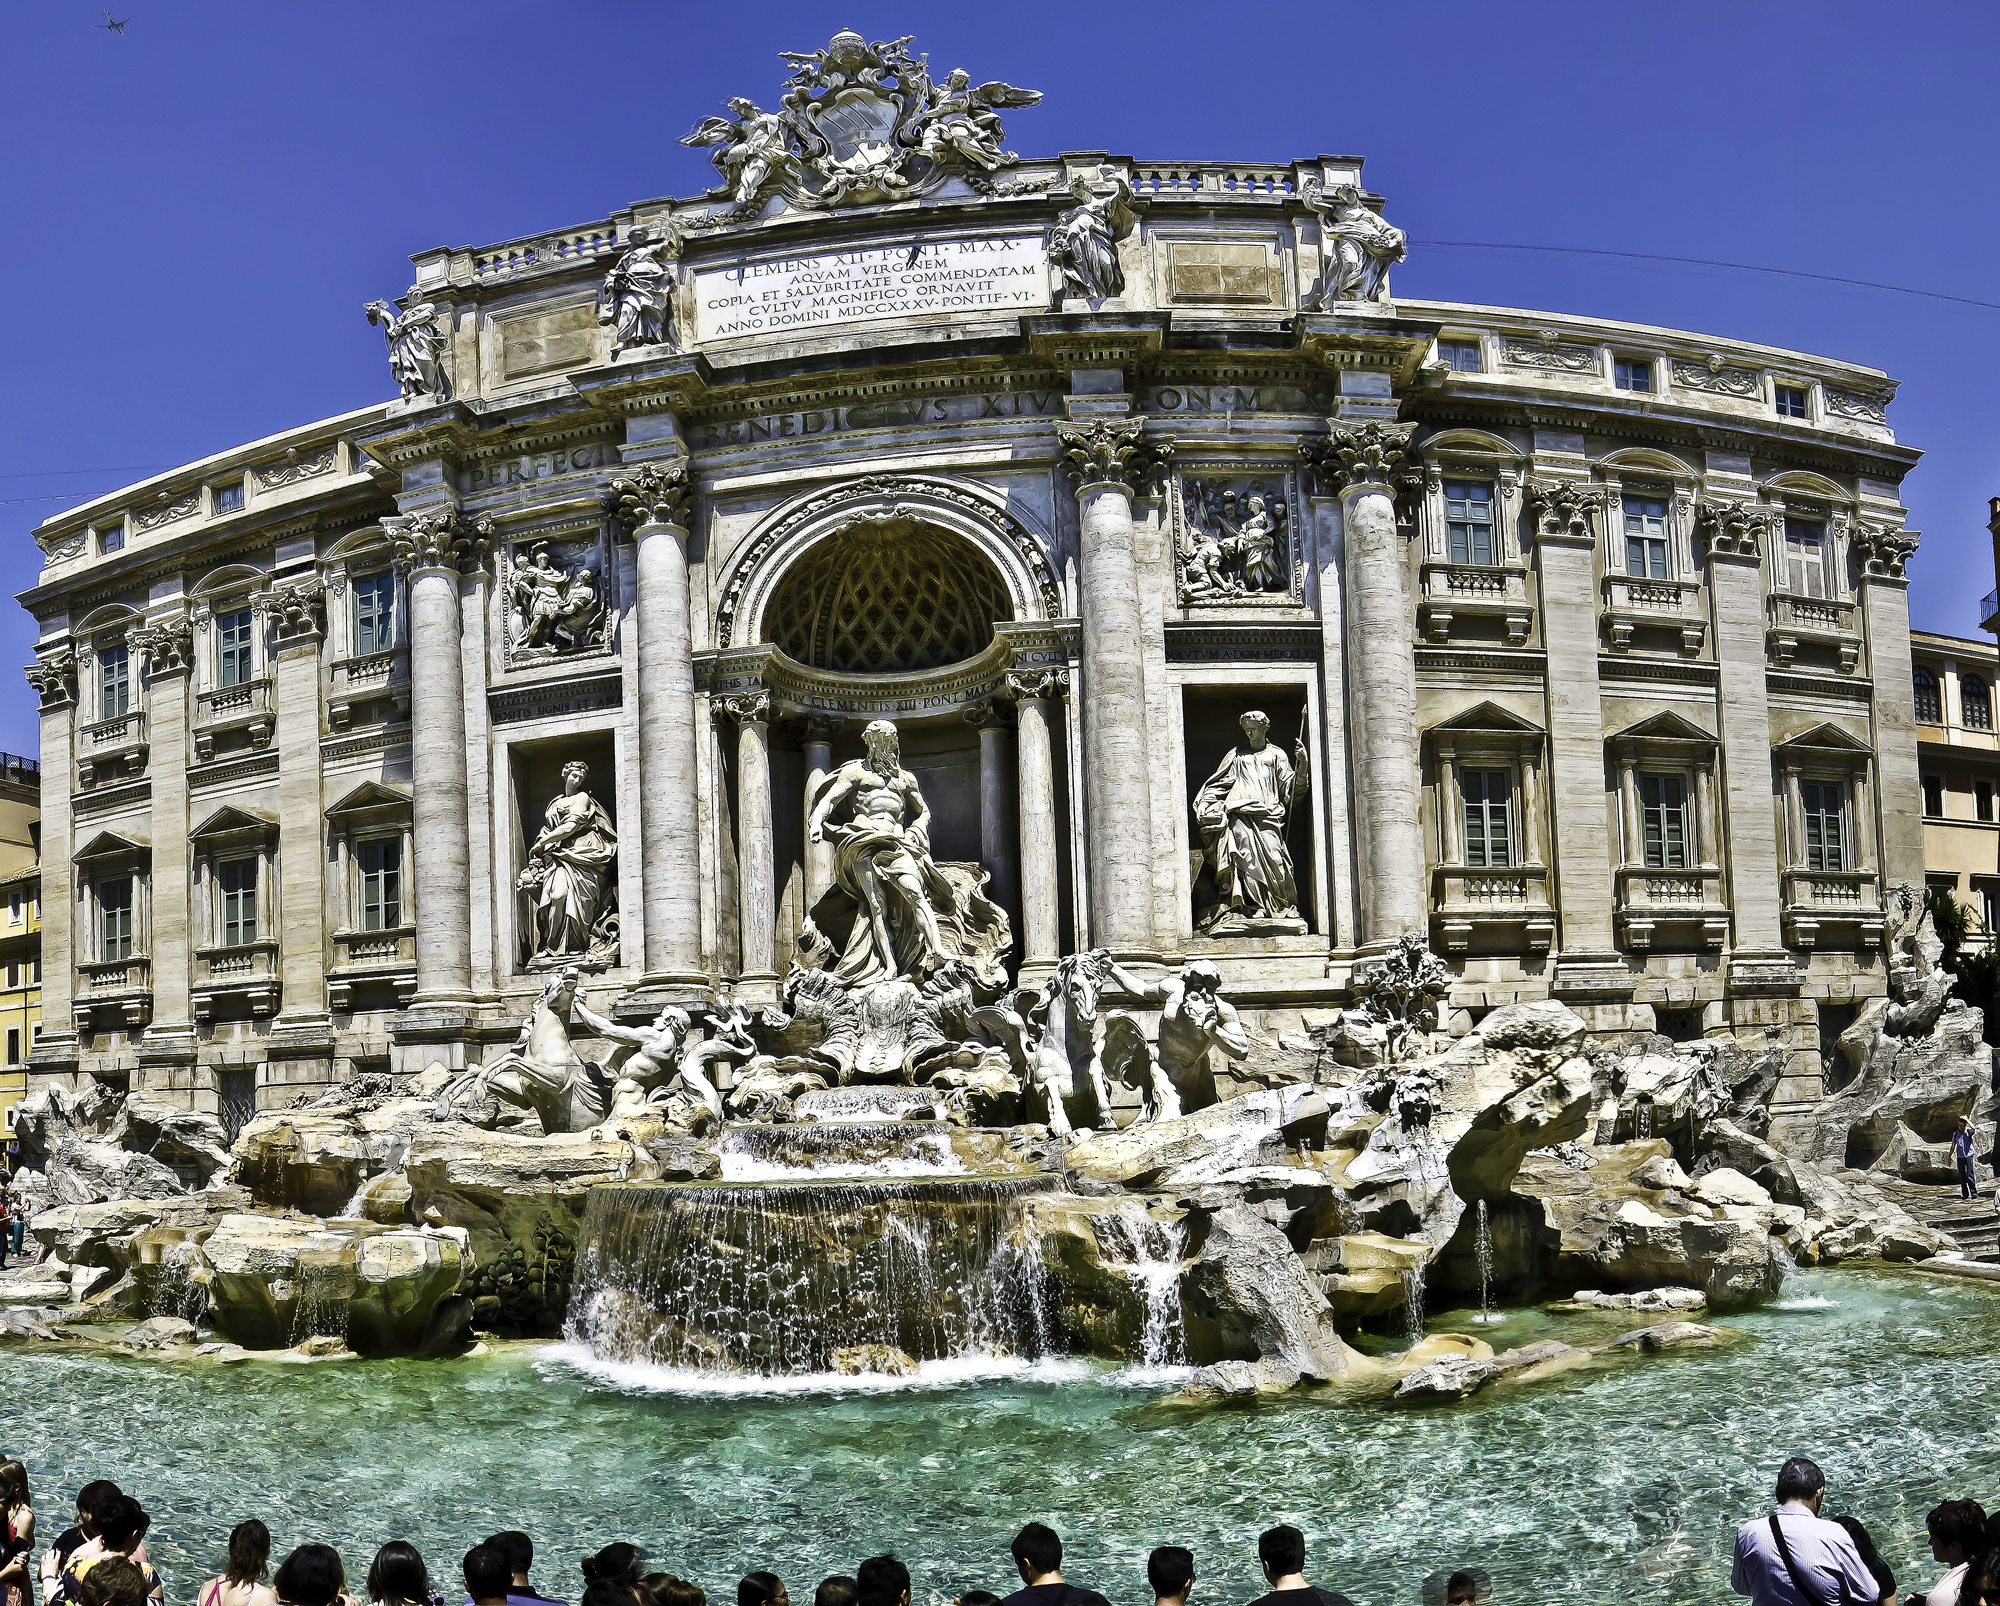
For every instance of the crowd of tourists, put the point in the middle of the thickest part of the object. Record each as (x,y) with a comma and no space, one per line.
(1792,1557)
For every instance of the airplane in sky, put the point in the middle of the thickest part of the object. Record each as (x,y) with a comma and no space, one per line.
(112,25)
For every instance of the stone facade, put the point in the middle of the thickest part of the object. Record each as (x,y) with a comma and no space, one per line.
(1586,643)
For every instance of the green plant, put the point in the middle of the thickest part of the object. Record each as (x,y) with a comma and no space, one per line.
(1977,970)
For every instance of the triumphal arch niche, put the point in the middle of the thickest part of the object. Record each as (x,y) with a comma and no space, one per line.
(915,602)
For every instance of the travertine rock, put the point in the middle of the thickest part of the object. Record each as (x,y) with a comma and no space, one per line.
(1665,1336)
(1906,1094)
(1248,1297)
(1453,1378)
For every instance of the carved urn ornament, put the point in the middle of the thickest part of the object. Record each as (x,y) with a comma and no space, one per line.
(859,122)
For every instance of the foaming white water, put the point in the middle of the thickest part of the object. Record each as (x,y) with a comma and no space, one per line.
(1147,1377)
(1804,1302)
(958,1371)
(748,1168)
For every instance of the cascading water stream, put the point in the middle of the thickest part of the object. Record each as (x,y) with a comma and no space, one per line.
(175,1290)
(1485,1252)
(779,1278)
(1413,1303)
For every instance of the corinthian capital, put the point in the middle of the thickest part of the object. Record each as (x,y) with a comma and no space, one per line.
(1113,451)
(1562,509)
(1883,550)
(297,611)
(746,708)
(653,493)
(53,676)
(1733,529)
(1360,454)
(443,538)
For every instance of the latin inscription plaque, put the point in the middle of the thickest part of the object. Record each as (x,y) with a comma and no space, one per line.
(1007,274)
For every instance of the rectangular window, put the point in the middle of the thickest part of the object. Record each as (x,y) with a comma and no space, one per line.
(232,647)
(1646,537)
(381,884)
(13,973)
(1989,907)
(1825,812)
(236,884)
(1934,796)
(374,614)
(1468,521)
(1982,801)
(13,1045)
(229,498)
(114,683)
(111,538)
(1461,356)
(1663,821)
(1489,840)
(114,914)
(1791,401)
(1805,558)
(13,908)
(1632,373)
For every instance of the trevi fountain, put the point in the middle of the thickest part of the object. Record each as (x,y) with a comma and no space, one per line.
(1140,1140)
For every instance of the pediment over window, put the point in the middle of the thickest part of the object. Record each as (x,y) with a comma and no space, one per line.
(1663,730)
(1486,718)
(108,850)
(370,803)
(230,827)
(1824,744)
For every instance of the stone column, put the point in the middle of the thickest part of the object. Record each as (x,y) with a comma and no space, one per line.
(432,548)
(169,650)
(1450,849)
(1041,922)
(54,678)
(820,731)
(1566,555)
(1106,459)
(1631,812)
(298,624)
(998,802)
(653,503)
(1735,534)
(1885,614)
(756,848)
(1704,811)
(1362,462)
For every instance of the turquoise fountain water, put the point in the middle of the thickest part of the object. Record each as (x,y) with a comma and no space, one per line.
(1621,1487)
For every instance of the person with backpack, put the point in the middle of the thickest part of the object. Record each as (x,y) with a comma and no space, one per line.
(1795,1558)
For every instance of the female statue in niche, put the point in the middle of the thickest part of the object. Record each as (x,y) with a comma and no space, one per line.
(568,879)
(1242,812)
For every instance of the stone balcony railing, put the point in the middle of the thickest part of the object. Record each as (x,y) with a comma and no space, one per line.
(245,973)
(1833,906)
(1825,621)
(115,993)
(1460,590)
(223,710)
(1680,904)
(1631,604)
(111,749)
(364,958)
(1511,904)
(372,678)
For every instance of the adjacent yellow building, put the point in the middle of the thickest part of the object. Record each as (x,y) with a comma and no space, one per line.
(1958,764)
(20,928)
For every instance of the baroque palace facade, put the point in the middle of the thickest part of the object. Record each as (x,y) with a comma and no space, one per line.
(1582,647)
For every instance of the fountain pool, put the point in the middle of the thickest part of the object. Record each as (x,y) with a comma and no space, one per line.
(1621,1486)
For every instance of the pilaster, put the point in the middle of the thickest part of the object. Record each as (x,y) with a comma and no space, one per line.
(54,676)
(1885,614)
(168,649)
(297,620)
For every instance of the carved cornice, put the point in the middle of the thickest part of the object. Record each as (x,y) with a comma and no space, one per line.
(444,538)
(1562,509)
(654,493)
(1037,685)
(1883,550)
(297,611)
(1357,455)
(1734,529)
(54,678)
(168,646)
(1114,451)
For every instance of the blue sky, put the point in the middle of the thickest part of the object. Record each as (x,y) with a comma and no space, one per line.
(195,210)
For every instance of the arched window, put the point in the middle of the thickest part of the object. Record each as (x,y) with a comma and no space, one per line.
(1930,711)
(1978,706)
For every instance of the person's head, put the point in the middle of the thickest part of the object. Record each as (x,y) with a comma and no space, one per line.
(116,1582)
(762,1589)
(1801,1480)
(121,1524)
(1170,1570)
(487,1575)
(837,1591)
(679,1592)
(87,1500)
(14,1484)
(1982,1582)
(398,1577)
(1958,1531)
(249,1553)
(978,1597)
(1282,1551)
(311,1576)
(612,1592)
(1037,1551)
(1871,1558)
(614,1564)
(1461,1589)
(881,1581)
(517,1547)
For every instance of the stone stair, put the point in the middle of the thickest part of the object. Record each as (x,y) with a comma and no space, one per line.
(1973,1222)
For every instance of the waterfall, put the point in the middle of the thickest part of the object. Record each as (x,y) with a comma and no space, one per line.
(1152,1265)
(1642,1116)
(1485,1250)
(1413,1303)
(779,1278)
(175,1290)
(324,1288)
(822,1152)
